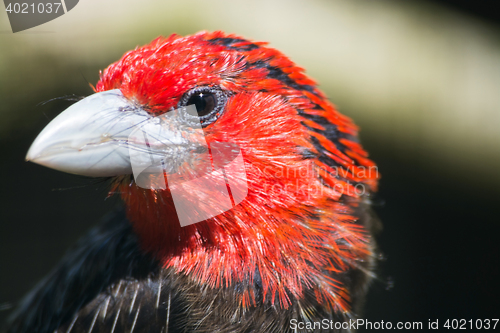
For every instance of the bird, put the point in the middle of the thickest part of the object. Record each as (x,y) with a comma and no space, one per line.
(254,215)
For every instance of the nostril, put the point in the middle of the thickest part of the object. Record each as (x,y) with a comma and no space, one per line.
(200,150)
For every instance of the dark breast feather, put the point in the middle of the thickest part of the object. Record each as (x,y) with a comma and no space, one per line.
(107,285)
(107,255)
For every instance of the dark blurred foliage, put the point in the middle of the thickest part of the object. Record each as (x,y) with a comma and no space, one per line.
(439,238)
(440,248)
(483,9)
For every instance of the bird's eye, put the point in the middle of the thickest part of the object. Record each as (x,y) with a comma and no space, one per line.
(204,102)
(209,102)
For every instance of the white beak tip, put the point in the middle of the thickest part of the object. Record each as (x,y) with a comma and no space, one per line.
(72,142)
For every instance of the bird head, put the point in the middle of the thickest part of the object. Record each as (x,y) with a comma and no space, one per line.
(252,171)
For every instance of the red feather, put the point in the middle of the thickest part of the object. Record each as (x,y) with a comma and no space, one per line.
(298,223)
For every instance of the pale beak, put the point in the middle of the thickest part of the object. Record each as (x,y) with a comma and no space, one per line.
(90,138)
(106,135)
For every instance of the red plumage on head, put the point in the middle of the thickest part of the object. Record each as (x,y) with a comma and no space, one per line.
(299,227)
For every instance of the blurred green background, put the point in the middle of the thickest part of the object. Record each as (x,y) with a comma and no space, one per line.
(421,79)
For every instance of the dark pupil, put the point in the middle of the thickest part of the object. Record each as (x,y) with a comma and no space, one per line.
(204,102)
